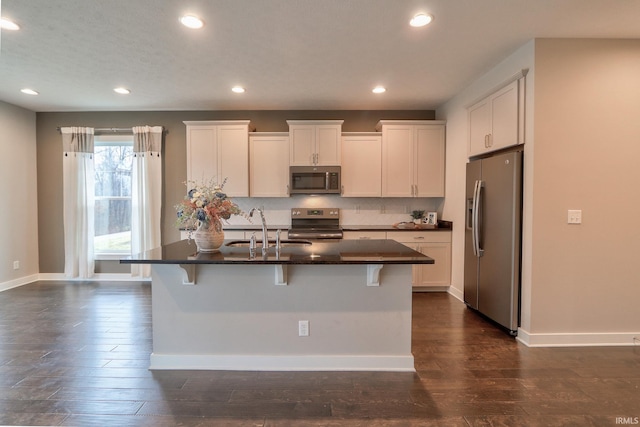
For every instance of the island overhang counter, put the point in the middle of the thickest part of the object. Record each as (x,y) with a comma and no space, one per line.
(242,310)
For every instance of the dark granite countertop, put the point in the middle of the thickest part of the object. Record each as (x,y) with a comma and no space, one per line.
(442,226)
(319,252)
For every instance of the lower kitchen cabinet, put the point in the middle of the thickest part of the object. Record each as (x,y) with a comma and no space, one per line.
(437,245)
(364,235)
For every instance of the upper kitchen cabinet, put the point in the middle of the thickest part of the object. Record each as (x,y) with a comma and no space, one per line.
(269,164)
(361,165)
(219,150)
(315,143)
(413,158)
(497,121)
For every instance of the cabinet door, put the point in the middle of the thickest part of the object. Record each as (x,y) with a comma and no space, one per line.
(303,145)
(328,139)
(435,244)
(201,154)
(269,166)
(430,161)
(233,159)
(362,166)
(397,161)
(479,127)
(438,274)
(494,122)
(504,124)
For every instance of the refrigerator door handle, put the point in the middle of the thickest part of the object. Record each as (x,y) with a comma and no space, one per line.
(477,196)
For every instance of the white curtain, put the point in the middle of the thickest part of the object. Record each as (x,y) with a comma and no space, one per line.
(146,193)
(78,201)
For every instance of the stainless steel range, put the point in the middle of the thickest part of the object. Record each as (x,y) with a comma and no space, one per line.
(315,223)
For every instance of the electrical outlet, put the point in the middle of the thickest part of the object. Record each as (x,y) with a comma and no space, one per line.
(574,216)
(303,328)
(16,265)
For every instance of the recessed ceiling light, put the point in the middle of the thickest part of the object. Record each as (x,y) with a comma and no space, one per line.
(192,21)
(7,24)
(28,91)
(379,89)
(421,19)
(238,89)
(122,90)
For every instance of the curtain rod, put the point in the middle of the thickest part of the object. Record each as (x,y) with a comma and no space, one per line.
(114,130)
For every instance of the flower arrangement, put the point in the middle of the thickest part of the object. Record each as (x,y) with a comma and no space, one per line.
(205,205)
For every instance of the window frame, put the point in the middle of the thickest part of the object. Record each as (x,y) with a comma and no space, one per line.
(102,141)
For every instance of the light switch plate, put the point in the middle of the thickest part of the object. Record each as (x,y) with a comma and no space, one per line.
(303,328)
(574,216)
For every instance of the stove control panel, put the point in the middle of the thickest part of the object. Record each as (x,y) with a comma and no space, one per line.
(318,213)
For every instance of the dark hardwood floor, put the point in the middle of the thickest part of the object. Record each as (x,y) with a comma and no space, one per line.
(77,354)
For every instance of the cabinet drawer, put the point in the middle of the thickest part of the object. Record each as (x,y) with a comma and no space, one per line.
(419,236)
(363,235)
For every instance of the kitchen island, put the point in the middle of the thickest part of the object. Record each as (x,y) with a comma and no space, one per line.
(310,306)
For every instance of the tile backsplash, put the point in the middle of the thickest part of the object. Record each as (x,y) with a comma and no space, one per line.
(353,211)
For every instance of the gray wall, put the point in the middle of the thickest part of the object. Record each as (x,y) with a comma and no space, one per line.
(18,221)
(49,154)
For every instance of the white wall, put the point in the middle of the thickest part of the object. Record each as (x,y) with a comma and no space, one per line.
(586,282)
(18,190)
(580,283)
(455,113)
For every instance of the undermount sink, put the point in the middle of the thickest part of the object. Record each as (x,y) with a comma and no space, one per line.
(272,243)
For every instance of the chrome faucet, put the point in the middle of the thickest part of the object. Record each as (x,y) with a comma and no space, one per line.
(265,237)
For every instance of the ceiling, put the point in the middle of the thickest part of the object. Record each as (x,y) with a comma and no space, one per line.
(288,54)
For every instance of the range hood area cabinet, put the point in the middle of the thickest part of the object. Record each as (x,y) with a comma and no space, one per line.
(315,143)
(218,150)
(269,164)
(497,120)
(413,158)
(361,164)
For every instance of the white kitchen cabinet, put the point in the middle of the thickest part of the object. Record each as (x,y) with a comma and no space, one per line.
(413,158)
(364,235)
(315,143)
(269,164)
(497,121)
(435,244)
(219,150)
(361,165)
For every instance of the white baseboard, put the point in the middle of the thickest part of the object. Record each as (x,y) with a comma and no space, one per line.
(457,293)
(584,339)
(233,362)
(106,277)
(18,282)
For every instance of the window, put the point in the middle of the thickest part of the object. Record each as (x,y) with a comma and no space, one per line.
(113,160)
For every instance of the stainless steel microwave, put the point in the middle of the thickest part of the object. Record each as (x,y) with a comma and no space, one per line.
(314,179)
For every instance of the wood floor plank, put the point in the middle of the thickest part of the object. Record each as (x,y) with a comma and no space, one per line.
(74,353)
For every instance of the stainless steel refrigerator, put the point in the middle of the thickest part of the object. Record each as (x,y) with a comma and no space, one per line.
(493,238)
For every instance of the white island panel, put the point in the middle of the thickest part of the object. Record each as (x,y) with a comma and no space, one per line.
(235,318)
